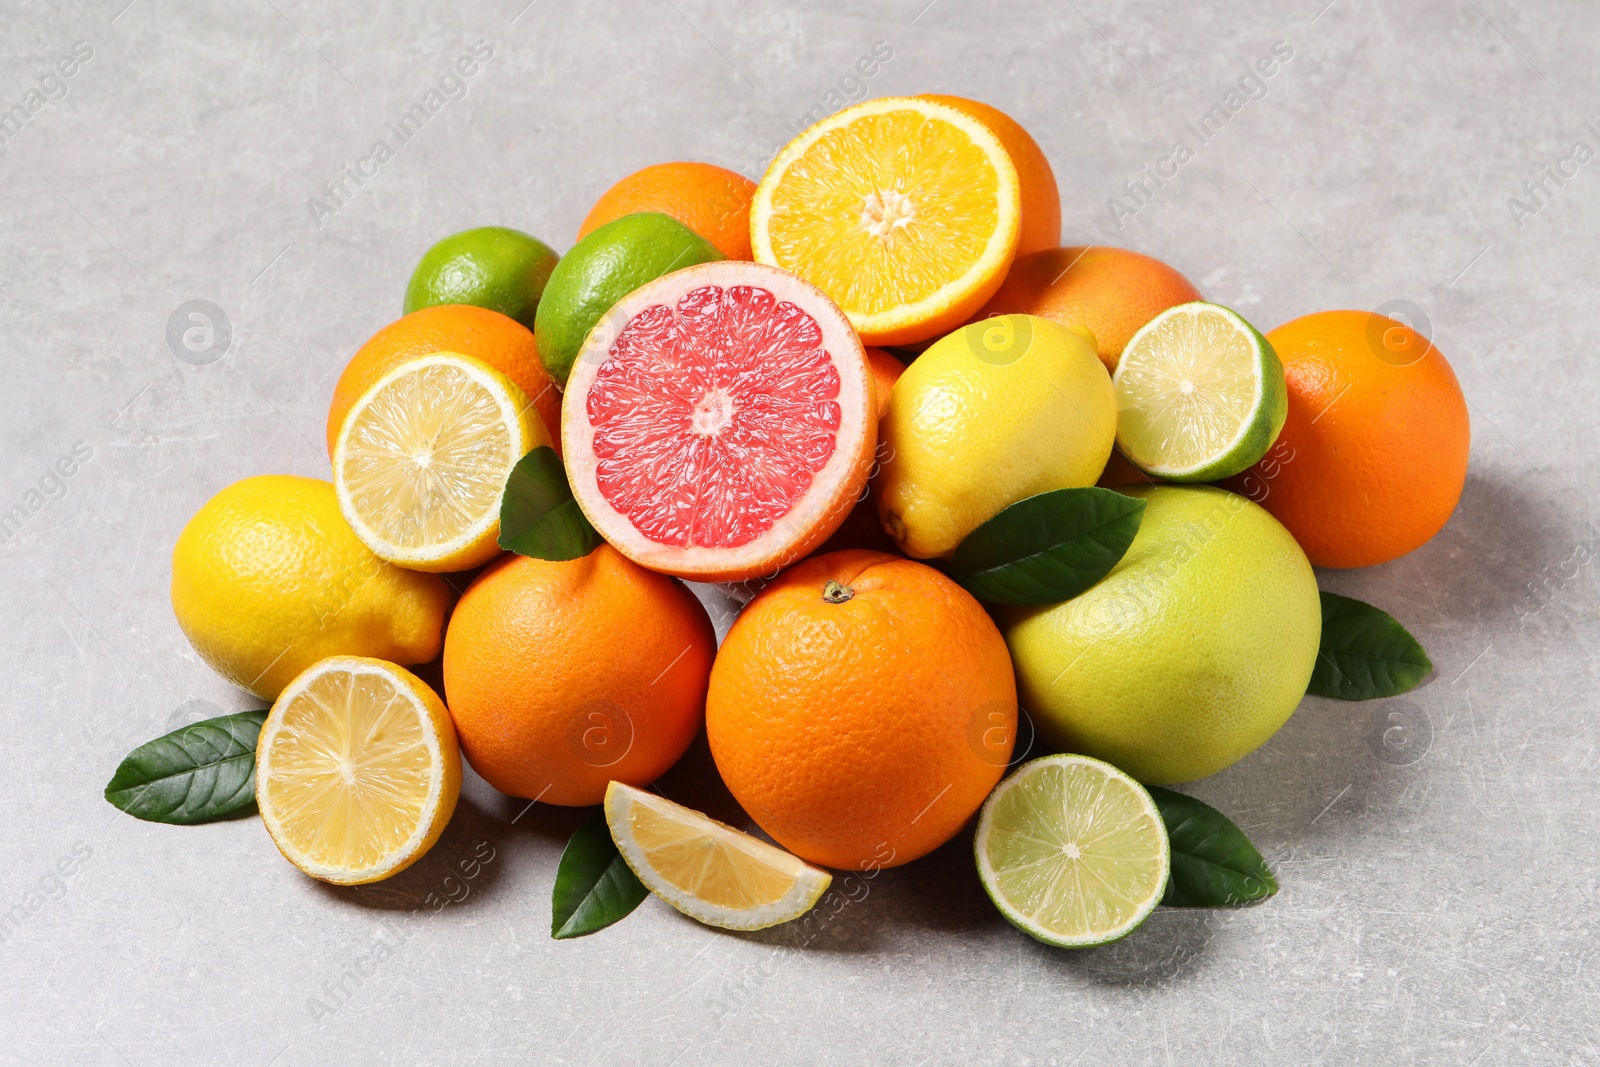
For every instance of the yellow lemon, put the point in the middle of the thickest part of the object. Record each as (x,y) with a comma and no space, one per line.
(999,410)
(268,578)
(423,456)
(357,770)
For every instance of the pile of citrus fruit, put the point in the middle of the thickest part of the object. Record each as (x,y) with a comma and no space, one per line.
(950,465)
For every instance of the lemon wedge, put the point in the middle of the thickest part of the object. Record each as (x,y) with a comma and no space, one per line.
(423,456)
(357,770)
(705,869)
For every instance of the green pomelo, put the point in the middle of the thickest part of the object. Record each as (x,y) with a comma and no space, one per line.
(1189,655)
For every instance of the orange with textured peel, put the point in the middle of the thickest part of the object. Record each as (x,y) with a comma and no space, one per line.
(710,200)
(564,675)
(1373,454)
(861,708)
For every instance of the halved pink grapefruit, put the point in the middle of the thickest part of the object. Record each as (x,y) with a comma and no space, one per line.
(719,422)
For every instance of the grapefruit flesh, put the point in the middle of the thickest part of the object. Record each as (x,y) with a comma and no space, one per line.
(719,423)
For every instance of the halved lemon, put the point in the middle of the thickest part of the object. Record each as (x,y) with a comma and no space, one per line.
(708,870)
(357,770)
(423,456)
(1072,851)
(904,210)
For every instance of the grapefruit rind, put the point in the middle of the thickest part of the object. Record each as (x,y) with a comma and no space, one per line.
(833,489)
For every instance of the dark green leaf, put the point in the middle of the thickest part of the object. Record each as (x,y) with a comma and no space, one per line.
(1047,548)
(1213,863)
(538,516)
(205,771)
(1365,653)
(594,885)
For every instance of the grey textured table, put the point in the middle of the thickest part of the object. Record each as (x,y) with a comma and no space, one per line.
(1438,853)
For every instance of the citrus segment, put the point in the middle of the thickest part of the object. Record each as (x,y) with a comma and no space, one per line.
(705,869)
(357,770)
(1200,395)
(1072,851)
(423,458)
(726,428)
(904,210)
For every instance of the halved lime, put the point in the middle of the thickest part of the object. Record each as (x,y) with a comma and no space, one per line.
(1072,851)
(1200,395)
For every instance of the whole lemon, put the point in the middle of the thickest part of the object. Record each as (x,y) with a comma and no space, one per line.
(999,410)
(1189,654)
(268,578)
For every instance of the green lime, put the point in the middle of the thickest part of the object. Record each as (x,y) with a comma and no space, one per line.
(490,267)
(1072,851)
(607,265)
(1189,654)
(1200,395)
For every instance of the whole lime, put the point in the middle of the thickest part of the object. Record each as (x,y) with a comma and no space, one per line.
(491,267)
(1189,655)
(607,265)
(999,410)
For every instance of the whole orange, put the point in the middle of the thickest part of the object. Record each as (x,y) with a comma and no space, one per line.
(1373,454)
(861,709)
(561,676)
(1110,291)
(886,370)
(1041,201)
(711,201)
(503,343)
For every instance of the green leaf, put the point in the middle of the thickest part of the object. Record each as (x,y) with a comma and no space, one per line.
(205,771)
(538,516)
(595,887)
(1047,548)
(1365,653)
(1213,863)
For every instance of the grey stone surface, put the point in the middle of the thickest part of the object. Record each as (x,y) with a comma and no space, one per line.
(1438,853)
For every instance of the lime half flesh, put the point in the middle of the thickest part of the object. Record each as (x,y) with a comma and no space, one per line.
(1200,395)
(1072,851)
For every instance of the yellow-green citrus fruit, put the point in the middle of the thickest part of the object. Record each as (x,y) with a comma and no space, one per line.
(999,410)
(268,578)
(1189,655)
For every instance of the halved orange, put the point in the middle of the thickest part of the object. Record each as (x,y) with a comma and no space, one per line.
(905,210)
